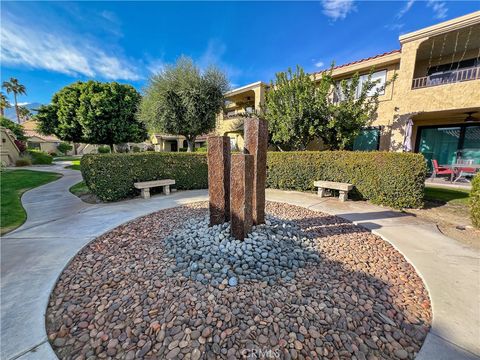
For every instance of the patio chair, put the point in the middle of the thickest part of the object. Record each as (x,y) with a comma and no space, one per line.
(441,170)
(464,172)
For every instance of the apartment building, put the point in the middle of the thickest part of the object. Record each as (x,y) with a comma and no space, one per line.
(432,107)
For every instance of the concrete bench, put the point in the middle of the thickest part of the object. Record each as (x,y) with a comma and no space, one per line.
(343,188)
(146,185)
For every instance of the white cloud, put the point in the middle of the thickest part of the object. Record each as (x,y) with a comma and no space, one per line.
(156,66)
(213,55)
(319,64)
(337,9)
(439,8)
(405,9)
(394,26)
(60,52)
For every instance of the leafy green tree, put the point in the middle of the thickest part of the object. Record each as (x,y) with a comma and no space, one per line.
(300,107)
(4,104)
(13,86)
(94,113)
(352,107)
(107,114)
(14,127)
(182,100)
(294,108)
(64,147)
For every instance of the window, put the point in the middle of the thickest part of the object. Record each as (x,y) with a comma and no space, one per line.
(33,145)
(379,78)
(449,143)
(367,140)
(233,143)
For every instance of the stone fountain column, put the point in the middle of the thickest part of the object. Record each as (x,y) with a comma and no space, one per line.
(241,191)
(219,179)
(256,143)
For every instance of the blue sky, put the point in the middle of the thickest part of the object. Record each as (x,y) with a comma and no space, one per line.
(47,45)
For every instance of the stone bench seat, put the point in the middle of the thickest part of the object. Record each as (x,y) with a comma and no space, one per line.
(145,186)
(343,188)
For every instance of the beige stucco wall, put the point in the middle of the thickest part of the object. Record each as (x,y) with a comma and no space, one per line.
(400,102)
(461,96)
(233,126)
(9,152)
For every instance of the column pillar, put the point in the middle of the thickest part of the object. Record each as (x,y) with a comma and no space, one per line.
(256,143)
(219,179)
(241,182)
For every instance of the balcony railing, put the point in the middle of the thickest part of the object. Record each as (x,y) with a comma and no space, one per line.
(450,77)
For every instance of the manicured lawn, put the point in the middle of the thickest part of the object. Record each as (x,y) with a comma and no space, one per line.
(446,195)
(67,158)
(75,165)
(14,183)
(79,189)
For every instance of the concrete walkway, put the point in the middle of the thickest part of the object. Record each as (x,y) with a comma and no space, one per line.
(59,225)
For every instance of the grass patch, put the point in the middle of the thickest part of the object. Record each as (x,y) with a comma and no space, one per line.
(14,183)
(79,189)
(66,158)
(447,195)
(75,165)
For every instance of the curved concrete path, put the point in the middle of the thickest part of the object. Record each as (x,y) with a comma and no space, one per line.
(59,225)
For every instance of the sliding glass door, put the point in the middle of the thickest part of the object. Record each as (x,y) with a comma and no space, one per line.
(449,144)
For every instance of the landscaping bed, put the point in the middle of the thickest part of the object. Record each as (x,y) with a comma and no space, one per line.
(132,293)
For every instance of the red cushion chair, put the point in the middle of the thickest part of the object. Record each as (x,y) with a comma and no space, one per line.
(441,170)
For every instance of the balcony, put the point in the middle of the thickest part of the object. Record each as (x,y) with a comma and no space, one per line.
(450,77)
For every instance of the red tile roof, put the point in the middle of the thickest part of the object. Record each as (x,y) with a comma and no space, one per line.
(362,60)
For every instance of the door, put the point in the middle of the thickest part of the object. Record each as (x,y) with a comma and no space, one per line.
(449,144)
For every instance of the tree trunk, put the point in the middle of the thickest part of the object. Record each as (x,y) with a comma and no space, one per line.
(112,148)
(75,148)
(16,106)
(191,143)
(2,111)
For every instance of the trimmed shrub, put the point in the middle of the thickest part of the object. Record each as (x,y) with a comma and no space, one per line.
(111,176)
(64,147)
(384,178)
(24,161)
(40,157)
(392,179)
(475,201)
(103,149)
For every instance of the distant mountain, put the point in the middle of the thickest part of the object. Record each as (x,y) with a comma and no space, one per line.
(10,113)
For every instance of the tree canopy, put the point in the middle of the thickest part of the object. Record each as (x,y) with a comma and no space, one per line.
(93,112)
(13,86)
(300,107)
(14,127)
(294,108)
(4,104)
(182,100)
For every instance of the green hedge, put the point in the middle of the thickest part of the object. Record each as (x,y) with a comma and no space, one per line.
(475,201)
(385,178)
(40,157)
(392,179)
(111,176)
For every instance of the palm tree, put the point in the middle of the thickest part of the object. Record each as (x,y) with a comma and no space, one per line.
(24,113)
(13,86)
(4,104)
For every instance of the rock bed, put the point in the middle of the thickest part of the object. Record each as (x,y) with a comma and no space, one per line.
(276,249)
(359,300)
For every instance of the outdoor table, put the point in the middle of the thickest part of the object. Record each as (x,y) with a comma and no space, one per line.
(458,166)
